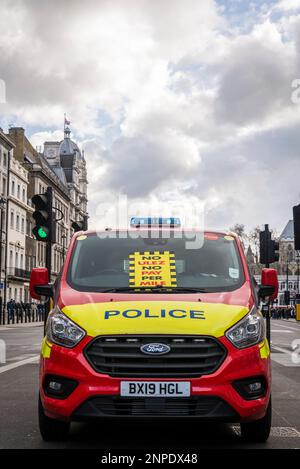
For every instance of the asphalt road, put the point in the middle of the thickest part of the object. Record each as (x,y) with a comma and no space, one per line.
(19,393)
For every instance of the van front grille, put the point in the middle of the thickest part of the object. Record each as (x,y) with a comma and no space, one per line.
(115,406)
(121,356)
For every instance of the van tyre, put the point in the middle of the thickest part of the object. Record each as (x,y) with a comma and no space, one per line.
(50,429)
(259,430)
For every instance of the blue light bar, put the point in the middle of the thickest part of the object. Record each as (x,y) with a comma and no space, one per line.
(156,221)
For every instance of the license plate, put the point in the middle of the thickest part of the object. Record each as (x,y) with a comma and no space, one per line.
(155,388)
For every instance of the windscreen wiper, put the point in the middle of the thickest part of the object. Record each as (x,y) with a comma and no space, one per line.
(157,289)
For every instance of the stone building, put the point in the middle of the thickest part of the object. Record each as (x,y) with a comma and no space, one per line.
(17,276)
(68,162)
(6,150)
(61,166)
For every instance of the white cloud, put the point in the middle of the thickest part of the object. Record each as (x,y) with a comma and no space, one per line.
(167,98)
(287,5)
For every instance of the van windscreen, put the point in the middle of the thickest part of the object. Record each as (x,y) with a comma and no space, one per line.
(104,261)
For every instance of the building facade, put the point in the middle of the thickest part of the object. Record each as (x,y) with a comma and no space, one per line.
(6,150)
(28,172)
(17,276)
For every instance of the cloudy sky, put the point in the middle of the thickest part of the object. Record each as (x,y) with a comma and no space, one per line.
(173,100)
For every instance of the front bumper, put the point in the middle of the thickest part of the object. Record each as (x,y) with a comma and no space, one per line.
(213,397)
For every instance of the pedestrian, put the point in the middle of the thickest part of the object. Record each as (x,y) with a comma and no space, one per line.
(11,309)
(19,312)
(34,311)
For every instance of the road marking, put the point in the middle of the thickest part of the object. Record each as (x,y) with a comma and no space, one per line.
(291,327)
(284,358)
(5,368)
(20,357)
(282,330)
(280,349)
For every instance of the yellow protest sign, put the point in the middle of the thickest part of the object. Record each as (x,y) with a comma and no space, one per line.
(152,269)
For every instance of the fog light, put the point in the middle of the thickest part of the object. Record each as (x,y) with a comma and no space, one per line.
(55,386)
(59,387)
(255,387)
(251,388)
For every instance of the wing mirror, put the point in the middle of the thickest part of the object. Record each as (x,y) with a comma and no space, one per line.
(269,285)
(39,283)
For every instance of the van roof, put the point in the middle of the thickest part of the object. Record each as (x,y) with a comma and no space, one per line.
(158,228)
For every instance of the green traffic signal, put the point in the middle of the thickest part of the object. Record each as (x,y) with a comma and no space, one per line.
(44,229)
(42,233)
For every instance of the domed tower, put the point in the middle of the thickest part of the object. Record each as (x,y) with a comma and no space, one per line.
(73,163)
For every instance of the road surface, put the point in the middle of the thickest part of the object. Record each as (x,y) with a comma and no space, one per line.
(19,393)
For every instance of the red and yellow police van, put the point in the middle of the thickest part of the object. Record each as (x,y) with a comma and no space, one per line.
(155,321)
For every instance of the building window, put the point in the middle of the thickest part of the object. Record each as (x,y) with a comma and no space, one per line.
(12,187)
(16,260)
(3,186)
(22,225)
(12,221)
(21,261)
(23,195)
(18,223)
(3,218)
(19,191)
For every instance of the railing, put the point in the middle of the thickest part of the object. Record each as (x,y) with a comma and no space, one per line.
(19,273)
(22,313)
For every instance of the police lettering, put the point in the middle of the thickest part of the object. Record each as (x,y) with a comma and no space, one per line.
(148,314)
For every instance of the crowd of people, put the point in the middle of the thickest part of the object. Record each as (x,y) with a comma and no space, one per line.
(287,312)
(24,312)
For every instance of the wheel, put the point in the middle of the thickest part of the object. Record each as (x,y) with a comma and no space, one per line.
(259,430)
(51,429)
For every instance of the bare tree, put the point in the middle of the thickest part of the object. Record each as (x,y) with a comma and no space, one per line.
(254,242)
(239,229)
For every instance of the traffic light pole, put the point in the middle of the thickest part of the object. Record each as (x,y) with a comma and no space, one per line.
(268,312)
(49,250)
(268,309)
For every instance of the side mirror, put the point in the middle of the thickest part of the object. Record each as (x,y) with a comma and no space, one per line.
(39,283)
(269,284)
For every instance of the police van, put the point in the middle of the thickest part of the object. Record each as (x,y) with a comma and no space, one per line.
(155,321)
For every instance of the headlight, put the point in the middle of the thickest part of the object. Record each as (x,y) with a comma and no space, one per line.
(249,331)
(62,331)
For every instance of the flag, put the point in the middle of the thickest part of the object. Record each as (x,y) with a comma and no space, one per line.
(67,122)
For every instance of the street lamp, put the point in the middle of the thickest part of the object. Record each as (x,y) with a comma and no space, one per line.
(297,256)
(63,238)
(2,205)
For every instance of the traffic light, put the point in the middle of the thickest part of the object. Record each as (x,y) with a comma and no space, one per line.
(296,213)
(274,251)
(269,249)
(80,225)
(264,240)
(44,229)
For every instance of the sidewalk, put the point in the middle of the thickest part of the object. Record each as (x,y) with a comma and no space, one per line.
(293,320)
(20,324)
